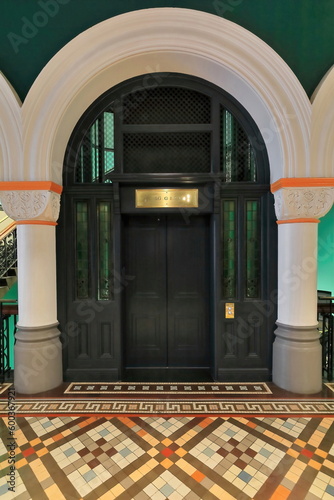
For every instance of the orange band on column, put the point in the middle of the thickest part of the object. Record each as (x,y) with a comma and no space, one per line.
(36,223)
(292,221)
(31,186)
(302,182)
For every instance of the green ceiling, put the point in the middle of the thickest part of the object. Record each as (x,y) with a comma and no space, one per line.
(32,31)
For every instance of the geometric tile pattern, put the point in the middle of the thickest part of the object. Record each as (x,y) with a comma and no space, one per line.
(171,388)
(330,386)
(4,387)
(192,458)
(223,407)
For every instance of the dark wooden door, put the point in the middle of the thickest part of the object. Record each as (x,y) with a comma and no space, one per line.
(167,295)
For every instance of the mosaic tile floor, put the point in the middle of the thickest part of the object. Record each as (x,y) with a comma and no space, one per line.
(191,458)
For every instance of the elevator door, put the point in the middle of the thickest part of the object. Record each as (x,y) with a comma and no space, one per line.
(167,292)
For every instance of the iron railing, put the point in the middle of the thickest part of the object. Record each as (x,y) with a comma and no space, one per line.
(8,318)
(326,317)
(8,249)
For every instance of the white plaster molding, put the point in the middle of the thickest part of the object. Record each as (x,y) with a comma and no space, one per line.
(169,40)
(298,203)
(10,133)
(31,205)
(322,132)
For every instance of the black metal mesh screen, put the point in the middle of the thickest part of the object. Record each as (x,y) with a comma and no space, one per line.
(162,105)
(168,152)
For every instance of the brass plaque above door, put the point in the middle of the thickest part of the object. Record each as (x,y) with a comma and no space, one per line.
(166,198)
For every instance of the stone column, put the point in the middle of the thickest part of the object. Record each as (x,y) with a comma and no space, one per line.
(297,359)
(37,352)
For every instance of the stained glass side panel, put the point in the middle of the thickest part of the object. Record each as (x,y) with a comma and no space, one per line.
(253,253)
(109,144)
(229,249)
(95,152)
(237,154)
(105,251)
(82,273)
(96,158)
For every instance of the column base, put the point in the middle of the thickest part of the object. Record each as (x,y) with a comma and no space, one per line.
(38,359)
(297,359)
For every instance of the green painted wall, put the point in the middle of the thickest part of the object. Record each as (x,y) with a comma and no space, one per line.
(326,253)
(32,31)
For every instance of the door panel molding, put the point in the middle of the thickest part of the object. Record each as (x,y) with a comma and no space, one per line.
(182,278)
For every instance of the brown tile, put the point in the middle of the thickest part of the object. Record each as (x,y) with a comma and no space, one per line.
(83,452)
(97,452)
(240,463)
(93,463)
(250,452)
(222,452)
(233,442)
(111,452)
(101,441)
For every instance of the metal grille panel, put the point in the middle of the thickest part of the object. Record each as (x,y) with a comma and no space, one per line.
(162,105)
(167,153)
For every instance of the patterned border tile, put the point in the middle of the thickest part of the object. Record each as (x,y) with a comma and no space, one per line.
(168,388)
(4,387)
(330,386)
(169,407)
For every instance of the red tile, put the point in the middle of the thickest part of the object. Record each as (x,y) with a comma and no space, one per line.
(28,452)
(167,452)
(307,453)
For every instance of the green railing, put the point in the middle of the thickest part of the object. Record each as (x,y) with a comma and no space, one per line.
(8,319)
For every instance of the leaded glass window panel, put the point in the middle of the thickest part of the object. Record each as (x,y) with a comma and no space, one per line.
(105,251)
(229,249)
(82,261)
(96,157)
(236,152)
(253,254)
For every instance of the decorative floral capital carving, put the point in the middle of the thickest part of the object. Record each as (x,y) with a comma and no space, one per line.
(302,202)
(31,205)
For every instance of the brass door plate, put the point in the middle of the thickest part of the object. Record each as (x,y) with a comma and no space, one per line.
(166,198)
(229,310)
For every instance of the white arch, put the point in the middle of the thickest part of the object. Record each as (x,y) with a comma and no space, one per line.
(10,133)
(322,132)
(169,40)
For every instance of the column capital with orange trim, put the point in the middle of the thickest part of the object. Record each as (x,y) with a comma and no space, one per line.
(31,202)
(302,200)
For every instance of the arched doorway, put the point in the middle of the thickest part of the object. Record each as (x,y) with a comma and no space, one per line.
(105,55)
(150,289)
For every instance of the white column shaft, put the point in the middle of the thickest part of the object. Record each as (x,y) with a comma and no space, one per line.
(36,275)
(297,274)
